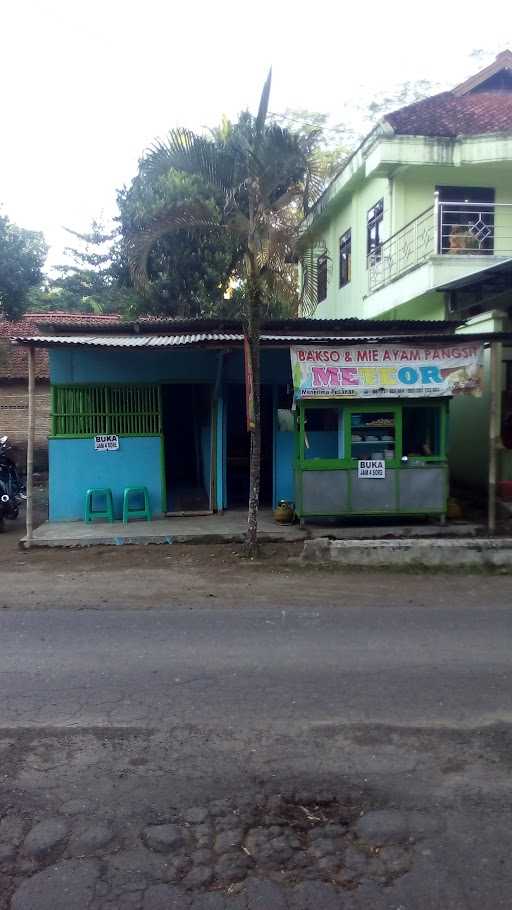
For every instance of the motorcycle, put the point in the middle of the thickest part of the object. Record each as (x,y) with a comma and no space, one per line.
(12,490)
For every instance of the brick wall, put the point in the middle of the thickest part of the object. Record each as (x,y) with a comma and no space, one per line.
(14,420)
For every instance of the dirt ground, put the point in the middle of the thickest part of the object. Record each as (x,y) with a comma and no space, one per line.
(153,576)
(149,576)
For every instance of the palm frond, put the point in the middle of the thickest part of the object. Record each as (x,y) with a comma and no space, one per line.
(274,242)
(185,151)
(264,177)
(309,277)
(314,183)
(194,217)
(236,222)
(263,109)
(280,297)
(286,171)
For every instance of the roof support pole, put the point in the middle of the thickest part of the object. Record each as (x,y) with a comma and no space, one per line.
(494,430)
(30,445)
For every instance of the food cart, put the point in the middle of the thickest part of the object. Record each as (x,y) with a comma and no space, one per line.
(371,426)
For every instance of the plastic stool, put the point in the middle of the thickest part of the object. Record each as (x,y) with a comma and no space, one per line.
(129,512)
(106,513)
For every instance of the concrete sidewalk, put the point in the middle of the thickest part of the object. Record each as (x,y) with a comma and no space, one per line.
(231,527)
(228,527)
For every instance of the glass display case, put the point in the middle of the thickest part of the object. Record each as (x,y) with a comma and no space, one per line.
(406,439)
(373,435)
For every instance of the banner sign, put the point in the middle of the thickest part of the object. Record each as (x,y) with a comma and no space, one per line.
(387,371)
(376,468)
(106,443)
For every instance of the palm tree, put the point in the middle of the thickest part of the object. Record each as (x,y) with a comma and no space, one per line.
(266,179)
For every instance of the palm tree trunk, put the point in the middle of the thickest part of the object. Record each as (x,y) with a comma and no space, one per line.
(253,336)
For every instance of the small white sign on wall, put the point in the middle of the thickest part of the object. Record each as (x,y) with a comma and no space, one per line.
(106,443)
(374,468)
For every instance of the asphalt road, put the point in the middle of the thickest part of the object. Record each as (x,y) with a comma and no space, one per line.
(125,714)
(257,667)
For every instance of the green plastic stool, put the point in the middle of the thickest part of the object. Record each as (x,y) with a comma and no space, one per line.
(106,513)
(135,513)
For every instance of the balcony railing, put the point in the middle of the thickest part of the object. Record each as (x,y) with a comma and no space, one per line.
(407,249)
(444,229)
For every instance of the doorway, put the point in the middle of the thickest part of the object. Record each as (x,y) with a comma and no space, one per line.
(187,429)
(238,443)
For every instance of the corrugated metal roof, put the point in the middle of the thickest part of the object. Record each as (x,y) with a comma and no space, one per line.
(130,341)
(295,326)
(200,338)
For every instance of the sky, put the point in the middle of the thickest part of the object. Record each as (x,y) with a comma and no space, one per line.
(87,84)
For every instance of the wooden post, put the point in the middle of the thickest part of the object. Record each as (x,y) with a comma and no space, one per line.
(494,431)
(30,445)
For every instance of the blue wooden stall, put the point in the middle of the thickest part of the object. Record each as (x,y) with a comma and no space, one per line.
(173,396)
(75,466)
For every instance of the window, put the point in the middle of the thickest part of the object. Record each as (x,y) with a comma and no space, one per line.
(421,431)
(372,435)
(466,220)
(345,258)
(323,432)
(373,231)
(127,410)
(321,278)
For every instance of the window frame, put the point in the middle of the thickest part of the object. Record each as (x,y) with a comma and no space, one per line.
(345,258)
(347,408)
(450,197)
(321,264)
(442,406)
(380,406)
(374,220)
(317,464)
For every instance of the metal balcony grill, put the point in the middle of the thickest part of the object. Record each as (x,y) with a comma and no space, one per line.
(405,250)
(444,229)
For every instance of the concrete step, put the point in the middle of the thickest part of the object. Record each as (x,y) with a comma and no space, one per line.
(475,553)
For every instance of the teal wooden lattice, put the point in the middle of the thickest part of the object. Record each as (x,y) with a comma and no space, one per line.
(124,410)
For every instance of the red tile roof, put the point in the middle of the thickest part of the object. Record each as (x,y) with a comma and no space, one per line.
(450,115)
(13,359)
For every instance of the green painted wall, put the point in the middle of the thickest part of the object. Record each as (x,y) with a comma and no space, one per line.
(352,213)
(468,441)
(407,190)
(414,192)
(405,171)
(429,306)
(468,446)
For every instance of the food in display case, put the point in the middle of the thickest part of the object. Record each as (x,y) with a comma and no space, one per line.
(368,433)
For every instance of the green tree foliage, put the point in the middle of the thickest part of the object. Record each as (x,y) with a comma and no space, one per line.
(264,175)
(22,256)
(94,280)
(189,274)
(335,141)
